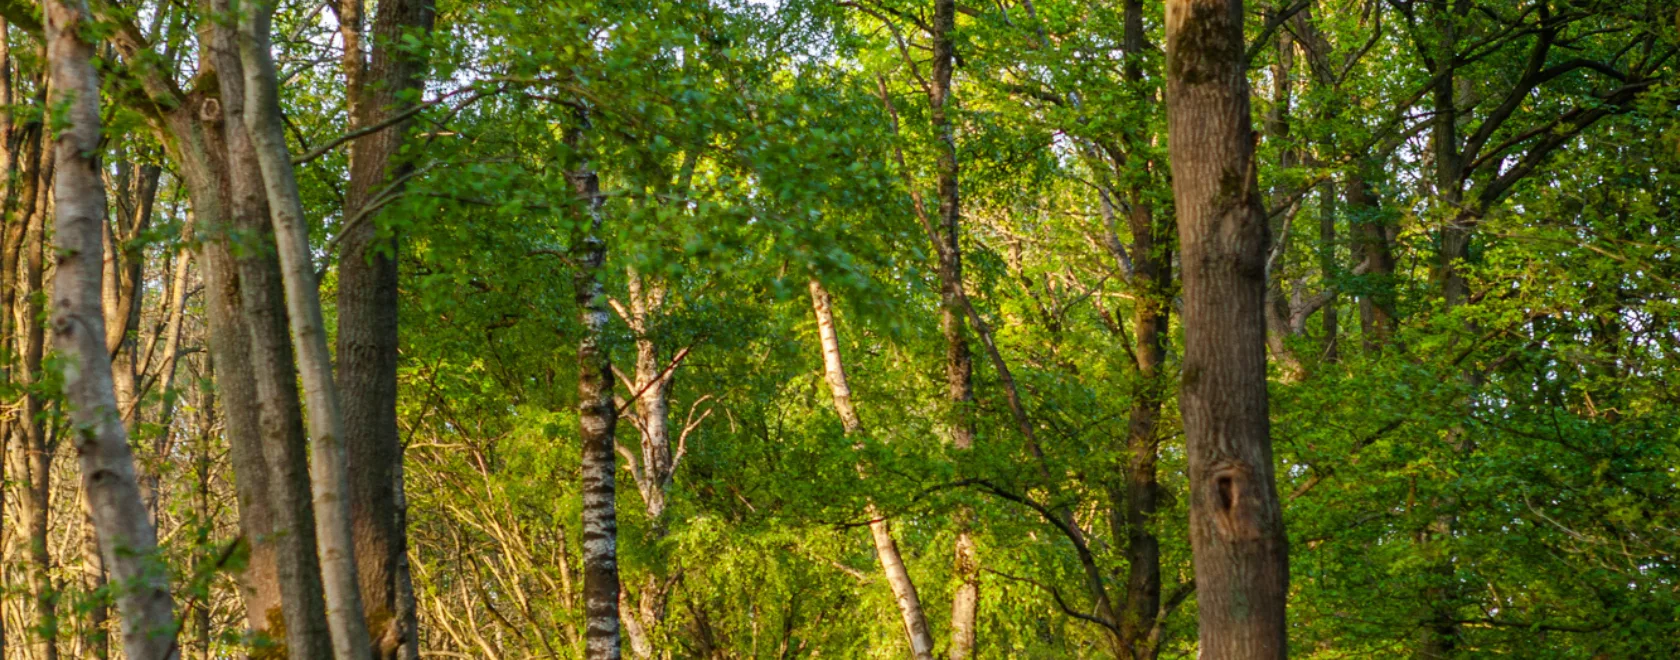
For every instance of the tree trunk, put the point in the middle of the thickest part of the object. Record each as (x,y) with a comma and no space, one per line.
(329,474)
(1376,307)
(1237,537)
(1152,280)
(597,422)
(127,538)
(1327,268)
(35,457)
(368,300)
(959,365)
(95,637)
(886,549)
(302,613)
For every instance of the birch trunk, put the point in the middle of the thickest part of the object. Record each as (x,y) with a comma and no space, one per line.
(886,549)
(127,538)
(329,474)
(597,421)
(1236,523)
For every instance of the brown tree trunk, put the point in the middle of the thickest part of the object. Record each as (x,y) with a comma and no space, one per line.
(128,541)
(1237,537)
(1376,307)
(329,473)
(34,463)
(302,612)
(959,364)
(368,301)
(1152,280)
(880,531)
(95,637)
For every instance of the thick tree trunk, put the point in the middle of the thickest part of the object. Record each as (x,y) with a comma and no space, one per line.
(302,612)
(886,549)
(329,474)
(1237,537)
(597,422)
(368,301)
(127,538)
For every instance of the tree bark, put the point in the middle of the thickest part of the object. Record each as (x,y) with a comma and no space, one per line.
(34,454)
(1237,537)
(302,615)
(880,531)
(1152,279)
(127,539)
(959,364)
(377,84)
(329,474)
(597,422)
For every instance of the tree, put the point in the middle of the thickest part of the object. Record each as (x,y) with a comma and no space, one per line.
(127,538)
(1236,520)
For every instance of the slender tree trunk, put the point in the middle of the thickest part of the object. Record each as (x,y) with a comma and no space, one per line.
(1327,267)
(36,455)
(959,365)
(377,84)
(1237,537)
(202,463)
(1152,279)
(330,475)
(95,629)
(302,613)
(127,538)
(597,422)
(886,549)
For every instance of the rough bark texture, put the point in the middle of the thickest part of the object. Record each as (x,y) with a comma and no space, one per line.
(302,613)
(329,474)
(597,422)
(1236,524)
(880,531)
(204,170)
(127,539)
(378,85)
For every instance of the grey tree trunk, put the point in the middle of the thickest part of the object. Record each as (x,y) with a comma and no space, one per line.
(193,133)
(1237,537)
(597,422)
(302,611)
(329,474)
(127,538)
(880,531)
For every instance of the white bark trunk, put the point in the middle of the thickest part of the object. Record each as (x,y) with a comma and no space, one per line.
(892,563)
